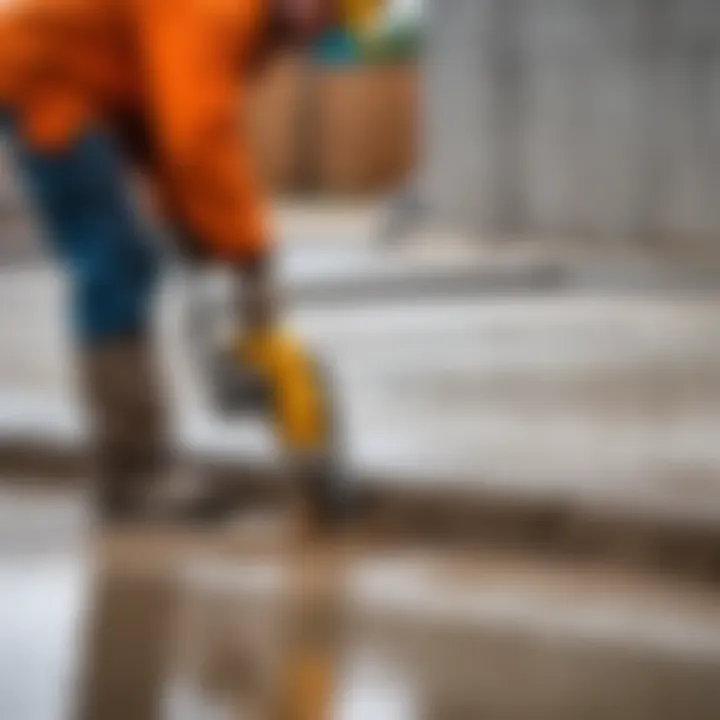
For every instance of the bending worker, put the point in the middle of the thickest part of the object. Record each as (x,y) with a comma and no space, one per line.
(92,88)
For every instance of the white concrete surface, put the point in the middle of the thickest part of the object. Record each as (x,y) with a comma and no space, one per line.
(612,400)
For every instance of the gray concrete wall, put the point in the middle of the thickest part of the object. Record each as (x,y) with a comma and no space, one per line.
(591,117)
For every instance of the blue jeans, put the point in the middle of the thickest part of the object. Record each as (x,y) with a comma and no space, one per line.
(91,225)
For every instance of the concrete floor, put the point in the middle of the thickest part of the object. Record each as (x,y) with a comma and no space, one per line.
(607,400)
(428,635)
(604,396)
(613,400)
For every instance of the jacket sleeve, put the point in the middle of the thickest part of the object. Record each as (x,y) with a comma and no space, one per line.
(192,51)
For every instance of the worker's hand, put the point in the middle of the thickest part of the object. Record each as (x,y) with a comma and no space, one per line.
(266,367)
(240,384)
(257,301)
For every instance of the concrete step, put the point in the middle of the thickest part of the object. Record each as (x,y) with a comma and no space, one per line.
(588,423)
(332,257)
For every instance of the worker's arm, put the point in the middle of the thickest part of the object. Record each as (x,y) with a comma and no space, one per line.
(192,52)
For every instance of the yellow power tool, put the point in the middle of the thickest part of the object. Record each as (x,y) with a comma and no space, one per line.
(276,374)
(272,375)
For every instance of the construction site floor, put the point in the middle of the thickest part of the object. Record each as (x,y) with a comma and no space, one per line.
(430,634)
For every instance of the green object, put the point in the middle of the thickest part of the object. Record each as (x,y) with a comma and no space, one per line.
(397,46)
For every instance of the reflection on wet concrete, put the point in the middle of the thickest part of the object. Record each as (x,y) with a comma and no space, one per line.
(129,644)
(190,626)
(498,639)
(43,578)
(41,604)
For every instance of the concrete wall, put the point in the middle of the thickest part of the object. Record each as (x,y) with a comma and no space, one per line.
(592,117)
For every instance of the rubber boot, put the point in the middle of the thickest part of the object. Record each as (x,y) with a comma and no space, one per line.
(137,479)
(128,421)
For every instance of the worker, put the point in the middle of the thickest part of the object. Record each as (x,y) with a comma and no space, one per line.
(90,89)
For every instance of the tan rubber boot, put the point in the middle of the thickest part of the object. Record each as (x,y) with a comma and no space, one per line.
(128,424)
(136,477)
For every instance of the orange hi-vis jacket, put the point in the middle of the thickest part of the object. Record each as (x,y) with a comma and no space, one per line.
(176,65)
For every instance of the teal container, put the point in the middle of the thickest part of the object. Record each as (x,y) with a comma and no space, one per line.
(337,48)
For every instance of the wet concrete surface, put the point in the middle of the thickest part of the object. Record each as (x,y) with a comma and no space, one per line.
(121,625)
(605,400)
(504,395)
(43,576)
(608,396)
